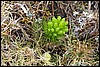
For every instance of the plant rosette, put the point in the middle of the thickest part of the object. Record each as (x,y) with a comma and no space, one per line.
(55,28)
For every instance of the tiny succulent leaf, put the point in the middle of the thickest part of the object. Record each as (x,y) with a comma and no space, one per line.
(61,24)
(66,30)
(66,23)
(49,23)
(60,32)
(63,19)
(54,19)
(57,29)
(55,25)
(59,18)
(52,30)
(49,30)
(55,34)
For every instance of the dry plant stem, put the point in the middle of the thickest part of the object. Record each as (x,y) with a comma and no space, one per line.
(70,31)
(39,5)
(24,32)
(39,39)
(89,6)
(53,8)
(69,62)
(83,6)
(79,44)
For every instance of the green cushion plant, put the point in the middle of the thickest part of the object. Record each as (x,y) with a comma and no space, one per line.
(55,28)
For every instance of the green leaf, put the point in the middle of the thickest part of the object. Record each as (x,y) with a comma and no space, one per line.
(61,25)
(57,29)
(49,23)
(66,23)
(63,32)
(52,30)
(55,25)
(60,32)
(63,19)
(66,30)
(59,18)
(49,30)
(62,22)
(54,19)
(55,34)
(50,34)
